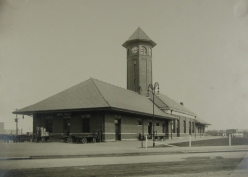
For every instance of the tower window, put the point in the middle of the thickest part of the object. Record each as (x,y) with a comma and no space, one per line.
(134,66)
(143,50)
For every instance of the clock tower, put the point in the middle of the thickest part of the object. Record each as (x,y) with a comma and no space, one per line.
(139,61)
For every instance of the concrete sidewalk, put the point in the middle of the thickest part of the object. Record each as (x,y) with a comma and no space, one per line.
(120,148)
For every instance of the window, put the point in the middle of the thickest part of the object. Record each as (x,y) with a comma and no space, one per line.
(189,127)
(143,50)
(86,125)
(139,122)
(193,127)
(165,127)
(157,124)
(184,126)
(134,66)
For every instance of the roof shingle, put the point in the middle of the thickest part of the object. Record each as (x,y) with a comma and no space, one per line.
(164,101)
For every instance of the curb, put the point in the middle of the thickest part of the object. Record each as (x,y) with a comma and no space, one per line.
(117,155)
(14,158)
(209,151)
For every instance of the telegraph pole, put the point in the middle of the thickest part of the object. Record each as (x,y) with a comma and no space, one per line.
(16,120)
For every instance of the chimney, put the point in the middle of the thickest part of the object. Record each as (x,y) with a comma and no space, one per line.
(181,103)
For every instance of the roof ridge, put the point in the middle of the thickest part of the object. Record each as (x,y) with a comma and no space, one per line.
(115,85)
(99,91)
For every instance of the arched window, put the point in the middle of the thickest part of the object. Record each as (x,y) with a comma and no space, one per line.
(143,50)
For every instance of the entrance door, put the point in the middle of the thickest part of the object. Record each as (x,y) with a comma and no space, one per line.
(150,128)
(178,133)
(67,126)
(165,129)
(117,129)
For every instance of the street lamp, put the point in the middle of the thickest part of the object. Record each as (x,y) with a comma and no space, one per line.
(152,88)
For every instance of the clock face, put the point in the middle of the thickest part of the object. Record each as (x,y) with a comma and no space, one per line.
(135,49)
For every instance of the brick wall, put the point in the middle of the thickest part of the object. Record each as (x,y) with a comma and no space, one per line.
(57,125)
(105,122)
(181,126)
(76,123)
(109,126)
(130,129)
(143,69)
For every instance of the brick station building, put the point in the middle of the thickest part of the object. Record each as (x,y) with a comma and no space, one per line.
(116,113)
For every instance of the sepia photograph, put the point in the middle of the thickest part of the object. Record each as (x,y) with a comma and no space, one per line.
(123,88)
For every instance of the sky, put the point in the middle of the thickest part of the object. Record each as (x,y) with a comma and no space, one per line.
(201,57)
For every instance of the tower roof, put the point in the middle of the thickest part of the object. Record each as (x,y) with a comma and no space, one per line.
(139,35)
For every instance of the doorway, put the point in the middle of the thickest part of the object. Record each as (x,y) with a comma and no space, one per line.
(117,129)
(150,128)
(178,132)
(49,125)
(165,129)
(66,127)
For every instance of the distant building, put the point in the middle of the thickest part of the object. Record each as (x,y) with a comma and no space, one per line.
(213,132)
(236,132)
(1,128)
(222,133)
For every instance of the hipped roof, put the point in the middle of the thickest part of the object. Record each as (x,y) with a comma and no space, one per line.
(139,35)
(200,121)
(95,94)
(164,102)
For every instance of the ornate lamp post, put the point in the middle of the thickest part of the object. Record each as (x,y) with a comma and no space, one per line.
(152,88)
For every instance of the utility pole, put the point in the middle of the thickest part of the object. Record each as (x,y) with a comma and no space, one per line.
(16,120)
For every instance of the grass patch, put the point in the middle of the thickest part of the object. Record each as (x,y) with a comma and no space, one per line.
(191,165)
(214,142)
